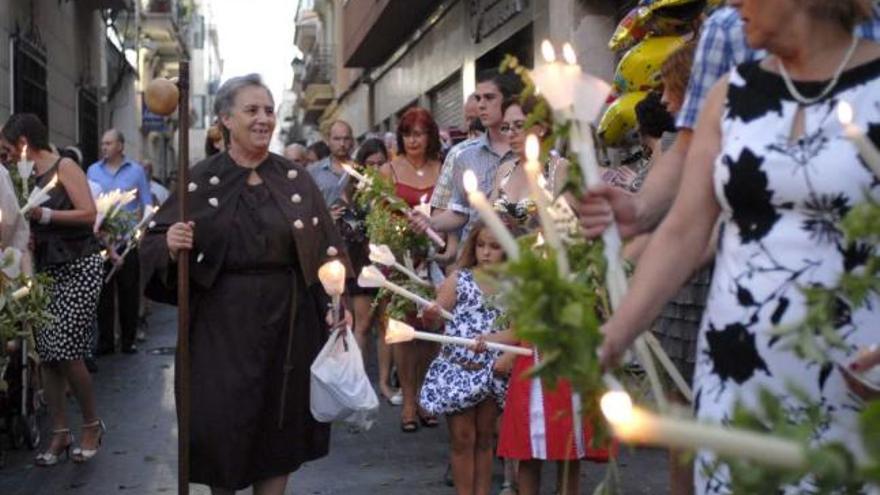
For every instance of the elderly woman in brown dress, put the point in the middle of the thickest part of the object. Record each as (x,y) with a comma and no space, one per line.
(259,232)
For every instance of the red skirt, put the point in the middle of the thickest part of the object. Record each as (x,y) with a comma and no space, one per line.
(539,423)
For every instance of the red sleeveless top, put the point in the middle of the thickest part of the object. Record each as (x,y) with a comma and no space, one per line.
(412,195)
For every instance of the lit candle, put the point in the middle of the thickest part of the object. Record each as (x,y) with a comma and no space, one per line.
(25,169)
(371,277)
(634,425)
(539,196)
(332,277)
(861,141)
(592,93)
(479,202)
(398,331)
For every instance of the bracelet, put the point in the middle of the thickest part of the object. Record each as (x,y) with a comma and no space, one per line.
(45,216)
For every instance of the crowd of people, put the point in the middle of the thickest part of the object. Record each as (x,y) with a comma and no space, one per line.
(729,211)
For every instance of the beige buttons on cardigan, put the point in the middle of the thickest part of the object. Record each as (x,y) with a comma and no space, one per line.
(291,174)
(296,198)
(192,187)
(213,202)
(315,221)
(298,224)
(214,180)
(332,251)
(200,257)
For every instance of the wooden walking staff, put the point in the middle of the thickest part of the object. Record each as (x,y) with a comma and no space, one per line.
(161,97)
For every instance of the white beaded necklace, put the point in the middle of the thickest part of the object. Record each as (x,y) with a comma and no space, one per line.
(803,100)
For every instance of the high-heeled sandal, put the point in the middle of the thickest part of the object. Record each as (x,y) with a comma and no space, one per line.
(81,455)
(49,458)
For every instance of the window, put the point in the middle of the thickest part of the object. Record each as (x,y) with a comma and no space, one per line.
(87,125)
(29,79)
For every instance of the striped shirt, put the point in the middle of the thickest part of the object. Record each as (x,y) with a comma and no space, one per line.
(476,155)
(722,47)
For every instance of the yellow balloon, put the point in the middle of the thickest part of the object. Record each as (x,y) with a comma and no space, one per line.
(619,122)
(639,69)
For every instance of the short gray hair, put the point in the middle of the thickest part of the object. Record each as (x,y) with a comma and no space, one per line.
(225,98)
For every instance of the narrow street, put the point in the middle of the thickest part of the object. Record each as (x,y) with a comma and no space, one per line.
(135,396)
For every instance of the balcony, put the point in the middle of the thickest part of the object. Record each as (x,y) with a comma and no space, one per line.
(308,26)
(160,30)
(319,66)
(316,98)
(374,29)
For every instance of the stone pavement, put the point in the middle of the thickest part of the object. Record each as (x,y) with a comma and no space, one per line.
(135,399)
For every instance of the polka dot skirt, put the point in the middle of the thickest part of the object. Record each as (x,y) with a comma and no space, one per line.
(74,304)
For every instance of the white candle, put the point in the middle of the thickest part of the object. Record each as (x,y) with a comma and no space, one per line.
(479,202)
(382,255)
(21,292)
(591,93)
(548,226)
(633,425)
(371,277)
(397,332)
(25,169)
(39,196)
(861,141)
(332,277)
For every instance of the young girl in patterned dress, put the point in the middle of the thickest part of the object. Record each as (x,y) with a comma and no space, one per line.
(463,384)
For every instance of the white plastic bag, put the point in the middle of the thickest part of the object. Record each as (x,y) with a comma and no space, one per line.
(340,389)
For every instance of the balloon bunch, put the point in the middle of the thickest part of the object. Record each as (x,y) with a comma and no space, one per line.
(646,37)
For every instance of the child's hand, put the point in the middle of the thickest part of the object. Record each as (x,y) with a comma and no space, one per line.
(480,344)
(504,364)
(432,314)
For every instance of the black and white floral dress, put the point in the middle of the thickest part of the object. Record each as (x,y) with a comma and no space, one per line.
(459,378)
(781,202)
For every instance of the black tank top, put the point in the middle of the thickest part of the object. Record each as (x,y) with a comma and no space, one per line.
(55,244)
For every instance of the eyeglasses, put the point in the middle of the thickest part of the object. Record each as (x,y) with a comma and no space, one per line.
(516,127)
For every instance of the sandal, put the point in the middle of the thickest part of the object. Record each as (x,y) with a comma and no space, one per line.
(409,426)
(428,421)
(49,458)
(81,455)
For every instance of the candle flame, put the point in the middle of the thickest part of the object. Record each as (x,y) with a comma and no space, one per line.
(332,277)
(348,168)
(568,54)
(533,147)
(617,407)
(470,181)
(845,113)
(397,331)
(540,240)
(1,216)
(24,150)
(548,51)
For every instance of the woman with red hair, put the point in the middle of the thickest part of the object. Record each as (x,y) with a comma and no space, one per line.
(414,172)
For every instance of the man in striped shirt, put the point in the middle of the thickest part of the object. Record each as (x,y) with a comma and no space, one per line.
(482,155)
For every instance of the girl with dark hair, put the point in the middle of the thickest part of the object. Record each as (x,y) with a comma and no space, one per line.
(65,248)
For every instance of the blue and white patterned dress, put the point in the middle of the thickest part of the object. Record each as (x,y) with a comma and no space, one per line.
(459,378)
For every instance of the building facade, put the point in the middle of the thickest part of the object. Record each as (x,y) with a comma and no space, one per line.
(369,60)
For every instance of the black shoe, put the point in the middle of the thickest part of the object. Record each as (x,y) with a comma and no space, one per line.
(130,349)
(91,365)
